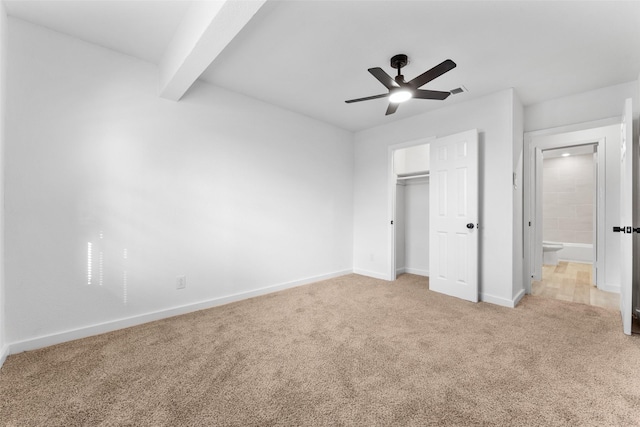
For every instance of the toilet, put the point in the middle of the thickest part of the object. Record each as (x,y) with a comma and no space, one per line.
(550,252)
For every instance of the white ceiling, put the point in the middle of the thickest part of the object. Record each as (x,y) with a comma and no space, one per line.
(310,56)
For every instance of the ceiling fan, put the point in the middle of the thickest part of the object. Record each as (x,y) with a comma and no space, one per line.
(400,90)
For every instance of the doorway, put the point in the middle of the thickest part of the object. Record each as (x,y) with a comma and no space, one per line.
(598,283)
(568,203)
(567,198)
(412,225)
(409,196)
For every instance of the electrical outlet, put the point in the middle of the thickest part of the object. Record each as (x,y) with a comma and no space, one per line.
(181,282)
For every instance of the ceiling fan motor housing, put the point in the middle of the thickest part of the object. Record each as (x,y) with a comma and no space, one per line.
(399,61)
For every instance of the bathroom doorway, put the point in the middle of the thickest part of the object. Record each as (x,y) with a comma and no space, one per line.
(571,197)
(569,206)
(569,226)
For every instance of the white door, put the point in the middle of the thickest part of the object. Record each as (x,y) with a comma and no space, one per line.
(626,216)
(453,216)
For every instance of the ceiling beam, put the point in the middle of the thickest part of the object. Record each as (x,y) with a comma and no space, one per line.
(207,28)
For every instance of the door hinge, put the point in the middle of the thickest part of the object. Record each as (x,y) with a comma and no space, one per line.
(392,222)
(626,230)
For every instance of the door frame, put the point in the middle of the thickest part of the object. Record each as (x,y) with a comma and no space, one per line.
(391,206)
(529,194)
(599,184)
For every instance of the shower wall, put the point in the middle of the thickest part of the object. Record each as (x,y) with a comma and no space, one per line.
(569,203)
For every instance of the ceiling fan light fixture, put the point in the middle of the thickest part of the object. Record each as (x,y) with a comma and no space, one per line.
(401,90)
(401,95)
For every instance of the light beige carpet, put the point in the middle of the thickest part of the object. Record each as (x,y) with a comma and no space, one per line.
(347,351)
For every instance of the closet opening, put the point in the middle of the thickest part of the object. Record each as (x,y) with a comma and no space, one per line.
(409,186)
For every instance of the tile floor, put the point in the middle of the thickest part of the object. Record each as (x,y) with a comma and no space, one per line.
(571,281)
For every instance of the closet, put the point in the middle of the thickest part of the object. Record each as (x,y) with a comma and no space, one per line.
(411,169)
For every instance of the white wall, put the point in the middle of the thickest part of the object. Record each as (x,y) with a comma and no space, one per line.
(3,86)
(583,107)
(493,117)
(234,193)
(411,160)
(416,226)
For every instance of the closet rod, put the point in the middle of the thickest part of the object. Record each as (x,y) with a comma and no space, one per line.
(413,176)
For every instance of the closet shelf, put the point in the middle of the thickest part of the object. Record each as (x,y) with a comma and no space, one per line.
(422,175)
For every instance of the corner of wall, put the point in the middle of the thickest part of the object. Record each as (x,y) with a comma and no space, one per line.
(503,302)
(517,127)
(4,353)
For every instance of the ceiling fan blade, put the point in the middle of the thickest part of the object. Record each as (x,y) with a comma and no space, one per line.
(383,77)
(436,71)
(393,106)
(384,95)
(430,94)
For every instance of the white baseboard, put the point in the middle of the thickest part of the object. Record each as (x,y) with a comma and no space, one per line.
(400,271)
(417,271)
(518,297)
(373,274)
(101,328)
(4,352)
(501,301)
(610,288)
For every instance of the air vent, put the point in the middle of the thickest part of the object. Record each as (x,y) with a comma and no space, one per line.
(458,90)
